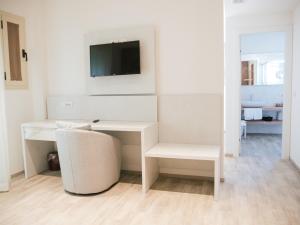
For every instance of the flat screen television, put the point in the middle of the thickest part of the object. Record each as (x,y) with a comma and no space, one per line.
(115,59)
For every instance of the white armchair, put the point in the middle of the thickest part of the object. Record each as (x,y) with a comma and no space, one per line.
(90,161)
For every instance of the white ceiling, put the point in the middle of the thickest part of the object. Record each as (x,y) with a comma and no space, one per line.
(258,7)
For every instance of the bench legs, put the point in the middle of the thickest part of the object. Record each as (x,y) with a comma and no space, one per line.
(151,172)
(216,178)
(150,168)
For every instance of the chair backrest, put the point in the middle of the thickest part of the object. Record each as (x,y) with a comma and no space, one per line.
(85,156)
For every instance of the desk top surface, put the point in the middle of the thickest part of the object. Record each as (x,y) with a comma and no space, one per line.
(101,125)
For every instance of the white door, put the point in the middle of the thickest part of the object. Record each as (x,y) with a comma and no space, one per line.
(4,167)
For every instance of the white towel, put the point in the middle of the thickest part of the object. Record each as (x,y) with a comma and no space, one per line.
(253,113)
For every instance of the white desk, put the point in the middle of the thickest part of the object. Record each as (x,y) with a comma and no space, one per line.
(38,138)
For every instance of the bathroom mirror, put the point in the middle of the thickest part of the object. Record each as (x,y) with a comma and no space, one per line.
(262,59)
(262,70)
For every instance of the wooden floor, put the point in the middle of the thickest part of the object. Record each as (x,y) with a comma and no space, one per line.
(259,189)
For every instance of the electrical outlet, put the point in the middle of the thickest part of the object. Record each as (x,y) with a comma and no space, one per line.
(68,104)
(237,1)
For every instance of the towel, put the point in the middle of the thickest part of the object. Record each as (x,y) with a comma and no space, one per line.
(253,113)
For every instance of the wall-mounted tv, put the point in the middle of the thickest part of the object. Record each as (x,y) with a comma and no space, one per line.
(115,59)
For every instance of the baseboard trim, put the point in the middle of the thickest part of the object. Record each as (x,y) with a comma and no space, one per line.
(191,177)
(139,173)
(131,168)
(17,174)
(187,172)
(4,187)
(295,165)
(131,172)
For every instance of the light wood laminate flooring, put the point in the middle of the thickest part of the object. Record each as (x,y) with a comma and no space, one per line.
(259,189)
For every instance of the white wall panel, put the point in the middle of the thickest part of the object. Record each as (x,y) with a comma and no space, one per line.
(119,108)
(143,83)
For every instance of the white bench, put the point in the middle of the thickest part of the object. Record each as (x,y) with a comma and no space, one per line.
(190,152)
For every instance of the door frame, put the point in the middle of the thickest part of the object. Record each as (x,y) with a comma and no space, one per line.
(286,127)
(4,157)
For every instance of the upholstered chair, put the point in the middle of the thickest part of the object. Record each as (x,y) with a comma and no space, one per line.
(90,161)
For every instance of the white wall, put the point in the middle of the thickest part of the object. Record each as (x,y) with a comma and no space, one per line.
(26,105)
(234,27)
(189,54)
(273,42)
(295,149)
(188,41)
(268,94)
(189,49)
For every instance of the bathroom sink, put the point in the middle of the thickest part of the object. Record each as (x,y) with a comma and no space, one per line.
(252,104)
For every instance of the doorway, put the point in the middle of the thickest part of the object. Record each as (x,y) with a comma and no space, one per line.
(263,92)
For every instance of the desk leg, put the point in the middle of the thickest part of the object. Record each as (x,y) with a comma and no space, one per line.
(150,168)
(35,156)
(216,178)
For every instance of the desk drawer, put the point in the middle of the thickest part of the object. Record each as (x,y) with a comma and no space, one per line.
(39,134)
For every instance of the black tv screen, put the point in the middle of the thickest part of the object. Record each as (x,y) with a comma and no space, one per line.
(115,59)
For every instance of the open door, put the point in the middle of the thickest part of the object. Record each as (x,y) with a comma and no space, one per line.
(4,167)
